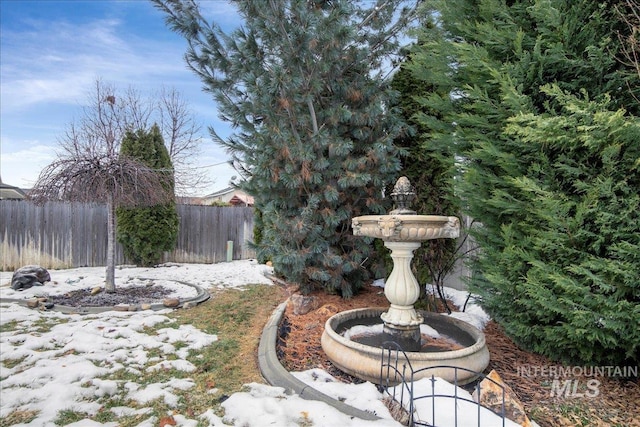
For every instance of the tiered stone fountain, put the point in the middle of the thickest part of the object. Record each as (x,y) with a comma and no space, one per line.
(403,231)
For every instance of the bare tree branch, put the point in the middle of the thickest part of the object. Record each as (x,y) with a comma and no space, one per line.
(181,133)
(123,181)
(630,41)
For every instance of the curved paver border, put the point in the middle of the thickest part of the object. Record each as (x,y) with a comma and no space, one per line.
(201,297)
(275,374)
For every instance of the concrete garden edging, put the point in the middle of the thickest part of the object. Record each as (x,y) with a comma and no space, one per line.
(276,375)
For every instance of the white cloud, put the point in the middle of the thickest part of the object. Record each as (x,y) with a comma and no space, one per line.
(57,61)
(22,168)
(49,66)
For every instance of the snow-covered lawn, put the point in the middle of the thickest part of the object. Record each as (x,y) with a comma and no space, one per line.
(52,362)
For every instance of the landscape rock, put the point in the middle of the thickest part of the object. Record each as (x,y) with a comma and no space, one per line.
(327,310)
(303,304)
(28,276)
(96,290)
(171,302)
(491,397)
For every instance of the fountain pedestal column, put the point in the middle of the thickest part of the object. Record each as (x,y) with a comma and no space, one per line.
(401,288)
(402,321)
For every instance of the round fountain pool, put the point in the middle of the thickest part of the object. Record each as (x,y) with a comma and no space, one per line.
(459,344)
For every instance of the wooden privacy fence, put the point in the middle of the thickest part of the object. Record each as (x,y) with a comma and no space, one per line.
(66,235)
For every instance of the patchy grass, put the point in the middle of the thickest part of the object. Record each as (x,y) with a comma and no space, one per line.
(11,363)
(69,416)
(18,417)
(10,326)
(39,326)
(237,317)
(45,324)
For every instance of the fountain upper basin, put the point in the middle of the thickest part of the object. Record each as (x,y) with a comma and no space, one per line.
(406,228)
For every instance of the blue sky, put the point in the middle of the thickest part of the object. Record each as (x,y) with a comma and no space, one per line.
(52,52)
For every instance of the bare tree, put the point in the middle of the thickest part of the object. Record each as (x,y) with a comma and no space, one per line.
(90,168)
(179,128)
(181,133)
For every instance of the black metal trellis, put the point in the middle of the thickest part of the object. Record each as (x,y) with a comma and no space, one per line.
(396,381)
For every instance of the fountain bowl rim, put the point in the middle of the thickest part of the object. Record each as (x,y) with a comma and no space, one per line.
(476,334)
(407,218)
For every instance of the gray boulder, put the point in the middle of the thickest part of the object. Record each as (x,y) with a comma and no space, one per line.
(303,304)
(28,276)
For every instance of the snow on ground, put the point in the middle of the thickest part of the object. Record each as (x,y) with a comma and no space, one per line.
(51,361)
(222,275)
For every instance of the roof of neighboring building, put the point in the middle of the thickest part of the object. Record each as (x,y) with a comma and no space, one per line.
(240,199)
(11,192)
(220,192)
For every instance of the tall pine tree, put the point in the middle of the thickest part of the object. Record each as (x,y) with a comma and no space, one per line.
(146,232)
(543,168)
(303,83)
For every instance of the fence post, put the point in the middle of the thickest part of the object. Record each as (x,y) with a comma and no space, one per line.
(229,250)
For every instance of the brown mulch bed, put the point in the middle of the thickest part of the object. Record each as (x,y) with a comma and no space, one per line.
(617,402)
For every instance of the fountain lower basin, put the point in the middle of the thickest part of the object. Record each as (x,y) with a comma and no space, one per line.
(364,361)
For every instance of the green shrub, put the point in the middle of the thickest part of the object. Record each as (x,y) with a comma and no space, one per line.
(564,277)
(146,232)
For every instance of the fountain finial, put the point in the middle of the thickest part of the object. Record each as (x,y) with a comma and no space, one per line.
(403,194)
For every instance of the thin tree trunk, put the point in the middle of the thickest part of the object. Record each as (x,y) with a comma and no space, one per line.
(314,118)
(110,283)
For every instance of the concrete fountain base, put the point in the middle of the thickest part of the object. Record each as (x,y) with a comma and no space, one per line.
(364,361)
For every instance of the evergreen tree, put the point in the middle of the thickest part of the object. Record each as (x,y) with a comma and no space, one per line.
(303,82)
(578,247)
(429,174)
(146,232)
(541,167)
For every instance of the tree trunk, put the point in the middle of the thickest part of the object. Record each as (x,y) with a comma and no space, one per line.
(110,283)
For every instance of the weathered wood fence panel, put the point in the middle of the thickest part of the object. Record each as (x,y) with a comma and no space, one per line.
(64,235)
(206,230)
